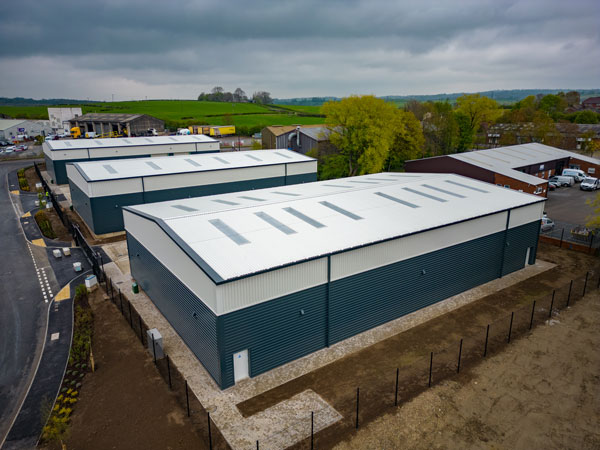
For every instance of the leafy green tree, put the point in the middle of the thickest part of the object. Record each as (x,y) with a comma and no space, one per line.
(465,133)
(587,117)
(552,104)
(440,129)
(476,109)
(363,129)
(408,143)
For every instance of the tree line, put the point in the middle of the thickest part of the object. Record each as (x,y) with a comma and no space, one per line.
(370,135)
(218,94)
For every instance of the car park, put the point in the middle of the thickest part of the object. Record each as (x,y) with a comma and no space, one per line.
(590,184)
(21,148)
(3,143)
(10,149)
(547,224)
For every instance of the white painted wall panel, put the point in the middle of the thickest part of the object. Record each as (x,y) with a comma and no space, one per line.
(208,146)
(61,155)
(270,285)
(115,187)
(526,214)
(76,178)
(153,238)
(303,167)
(371,257)
(215,177)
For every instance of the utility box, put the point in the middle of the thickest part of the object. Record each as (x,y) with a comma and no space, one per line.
(57,253)
(157,346)
(91,282)
(77,266)
(66,251)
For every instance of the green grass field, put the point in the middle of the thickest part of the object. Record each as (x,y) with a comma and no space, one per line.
(302,108)
(180,113)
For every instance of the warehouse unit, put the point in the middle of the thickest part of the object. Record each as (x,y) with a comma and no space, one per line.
(59,153)
(253,281)
(105,124)
(99,189)
(525,167)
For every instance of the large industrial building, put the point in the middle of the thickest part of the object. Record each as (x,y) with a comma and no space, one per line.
(104,124)
(251,281)
(60,153)
(99,189)
(60,117)
(524,167)
(11,129)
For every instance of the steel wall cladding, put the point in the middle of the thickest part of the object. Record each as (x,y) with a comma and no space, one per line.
(82,205)
(301,178)
(275,332)
(189,316)
(369,299)
(518,240)
(107,212)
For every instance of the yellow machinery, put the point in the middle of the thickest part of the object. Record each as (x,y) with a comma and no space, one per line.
(75,133)
(213,130)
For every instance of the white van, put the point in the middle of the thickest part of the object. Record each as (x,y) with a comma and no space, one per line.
(578,174)
(563,181)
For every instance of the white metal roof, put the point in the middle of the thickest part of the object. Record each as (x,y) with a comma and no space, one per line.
(504,160)
(74,144)
(102,170)
(261,231)
(9,123)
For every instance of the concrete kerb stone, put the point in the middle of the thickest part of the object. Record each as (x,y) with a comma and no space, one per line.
(277,429)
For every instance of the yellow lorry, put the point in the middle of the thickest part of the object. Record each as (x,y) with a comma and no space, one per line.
(213,130)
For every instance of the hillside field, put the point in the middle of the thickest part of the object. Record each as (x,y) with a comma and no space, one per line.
(181,113)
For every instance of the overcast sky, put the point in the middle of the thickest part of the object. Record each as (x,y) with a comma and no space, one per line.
(178,48)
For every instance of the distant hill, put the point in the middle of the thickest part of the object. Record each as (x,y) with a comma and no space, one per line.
(502,96)
(20,101)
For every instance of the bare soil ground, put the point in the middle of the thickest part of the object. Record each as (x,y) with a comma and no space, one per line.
(126,404)
(57,226)
(32,179)
(542,392)
(373,369)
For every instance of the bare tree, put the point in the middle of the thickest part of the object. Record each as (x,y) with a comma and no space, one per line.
(239,95)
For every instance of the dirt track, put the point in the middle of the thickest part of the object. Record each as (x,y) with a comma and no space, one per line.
(542,392)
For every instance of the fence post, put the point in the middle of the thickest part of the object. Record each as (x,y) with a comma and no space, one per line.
(587,274)
(209,431)
(532,313)
(357,402)
(561,237)
(312,430)
(598,286)
(169,372)
(187,399)
(141,331)
(396,397)
(459,355)
(487,334)
(111,290)
(430,367)
(121,301)
(569,296)
(130,320)
(551,304)
(512,316)
(153,349)
(591,241)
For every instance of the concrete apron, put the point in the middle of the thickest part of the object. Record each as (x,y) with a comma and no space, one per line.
(287,422)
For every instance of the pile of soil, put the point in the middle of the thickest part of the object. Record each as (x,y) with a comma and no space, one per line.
(57,226)
(32,179)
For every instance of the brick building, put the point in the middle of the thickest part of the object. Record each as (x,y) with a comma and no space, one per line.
(525,167)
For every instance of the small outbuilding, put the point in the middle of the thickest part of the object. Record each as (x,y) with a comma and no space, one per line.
(100,189)
(253,280)
(104,124)
(60,153)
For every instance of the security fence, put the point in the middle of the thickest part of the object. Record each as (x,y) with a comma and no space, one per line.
(368,401)
(574,236)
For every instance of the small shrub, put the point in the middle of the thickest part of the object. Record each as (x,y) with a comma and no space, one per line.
(44,224)
(21,173)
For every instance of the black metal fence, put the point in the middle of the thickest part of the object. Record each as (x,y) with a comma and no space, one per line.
(371,400)
(581,235)
(177,383)
(92,256)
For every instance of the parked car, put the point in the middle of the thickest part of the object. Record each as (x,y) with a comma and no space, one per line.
(3,143)
(547,224)
(563,181)
(577,174)
(552,185)
(590,184)
(10,149)
(21,148)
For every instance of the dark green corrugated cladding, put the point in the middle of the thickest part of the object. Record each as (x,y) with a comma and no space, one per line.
(104,214)
(284,329)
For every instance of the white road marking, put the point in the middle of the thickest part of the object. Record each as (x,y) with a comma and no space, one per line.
(54,336)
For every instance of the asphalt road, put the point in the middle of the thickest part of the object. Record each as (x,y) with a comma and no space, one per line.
(569,204)
(23,312)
